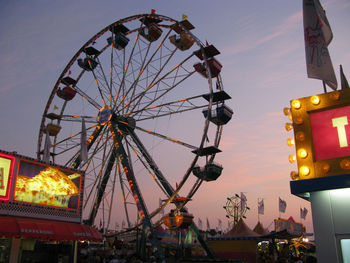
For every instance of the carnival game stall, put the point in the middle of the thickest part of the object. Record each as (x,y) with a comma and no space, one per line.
(238,243)
(40,211)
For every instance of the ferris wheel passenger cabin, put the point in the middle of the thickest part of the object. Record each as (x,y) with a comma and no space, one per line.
(209,172)
(183,40)
(120,38)
(178,218)
(151,31)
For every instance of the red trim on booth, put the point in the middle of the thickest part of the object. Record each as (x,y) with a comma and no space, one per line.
(49,230)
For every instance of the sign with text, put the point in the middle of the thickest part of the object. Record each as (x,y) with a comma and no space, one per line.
(331,133)
(292,227)
(321,125)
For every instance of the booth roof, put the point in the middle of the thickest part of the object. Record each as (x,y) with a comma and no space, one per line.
(47,229)
(241,230)
(260,229)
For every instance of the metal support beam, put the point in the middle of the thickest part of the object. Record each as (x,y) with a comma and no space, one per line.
(141,206)
(102,187)
(169,189)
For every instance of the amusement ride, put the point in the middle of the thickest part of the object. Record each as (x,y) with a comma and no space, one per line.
(140,108)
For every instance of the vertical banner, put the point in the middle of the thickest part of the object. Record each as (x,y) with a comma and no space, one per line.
(318,35)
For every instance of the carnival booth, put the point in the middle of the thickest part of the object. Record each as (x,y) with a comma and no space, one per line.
(40,211)
(238,243)
(260,229)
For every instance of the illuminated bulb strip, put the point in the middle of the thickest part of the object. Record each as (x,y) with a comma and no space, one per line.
(292,158)
(326,167)
(286,111)
(315,100)
(335,95)
(304,170)
(296,104)
(294,175)
(300,136)
(302,153)
(345,164)
(290,142)
(288,126)
(299,120)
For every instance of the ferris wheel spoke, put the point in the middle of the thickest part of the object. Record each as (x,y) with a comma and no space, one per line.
(168,188)
(187,103)
(111,74)
(71,137)
(125,70)
(146,167)
(76,118)
(194,188)
(86,97)
(140,97)
(144,66)
(123,192)
(98,86)
(134,84)
(158,115)
(169,89)
(155,82)
(121,67)
(102,185)
(167,138)
(112,197)
(140,203)
(104,78)
(75,161)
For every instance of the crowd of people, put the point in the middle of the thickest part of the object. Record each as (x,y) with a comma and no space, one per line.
(270,252)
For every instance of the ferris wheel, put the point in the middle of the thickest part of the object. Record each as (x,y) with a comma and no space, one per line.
(149,97)
(236,208)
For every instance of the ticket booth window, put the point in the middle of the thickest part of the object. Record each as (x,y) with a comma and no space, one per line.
(345,250)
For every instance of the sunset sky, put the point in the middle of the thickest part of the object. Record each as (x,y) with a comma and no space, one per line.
(262,53)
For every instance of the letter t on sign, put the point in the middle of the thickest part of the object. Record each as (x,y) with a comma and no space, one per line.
(340,124)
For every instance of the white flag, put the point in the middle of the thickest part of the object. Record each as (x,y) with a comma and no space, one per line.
(47,146)
(282,205)
(243,202)
(261,207)
(317,36)
(83,145)
(303,213)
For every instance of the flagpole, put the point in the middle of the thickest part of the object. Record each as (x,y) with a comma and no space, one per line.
(258,211)
(324,86)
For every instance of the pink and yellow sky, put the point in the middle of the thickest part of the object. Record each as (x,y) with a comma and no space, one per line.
(262,53)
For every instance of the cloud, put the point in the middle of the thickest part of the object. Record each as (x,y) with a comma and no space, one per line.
(253,41)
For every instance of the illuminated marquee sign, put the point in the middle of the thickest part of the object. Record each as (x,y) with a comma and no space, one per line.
(290,225)
(321,126)
(35,189)
(330,133)
(7,163)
